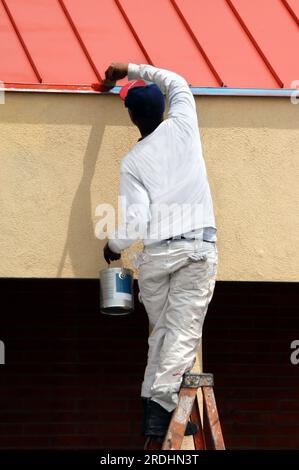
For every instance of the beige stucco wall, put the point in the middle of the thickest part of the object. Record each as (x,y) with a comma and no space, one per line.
(60,158)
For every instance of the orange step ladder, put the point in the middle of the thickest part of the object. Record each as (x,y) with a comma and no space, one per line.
(188,408)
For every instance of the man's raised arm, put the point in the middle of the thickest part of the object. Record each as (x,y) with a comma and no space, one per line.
(181,100)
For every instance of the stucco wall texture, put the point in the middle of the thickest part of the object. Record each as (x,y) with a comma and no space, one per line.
(60,156)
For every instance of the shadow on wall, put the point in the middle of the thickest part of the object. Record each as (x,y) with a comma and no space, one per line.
(85,257)
(80,225)
(95,113)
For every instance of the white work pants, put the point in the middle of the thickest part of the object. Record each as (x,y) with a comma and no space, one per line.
(176,282)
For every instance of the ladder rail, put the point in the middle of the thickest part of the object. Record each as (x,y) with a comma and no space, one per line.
(213,418)
(176,430)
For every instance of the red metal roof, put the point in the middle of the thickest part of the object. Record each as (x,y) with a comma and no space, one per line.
(212,43)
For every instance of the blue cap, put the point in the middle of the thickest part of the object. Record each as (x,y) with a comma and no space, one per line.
(146,101)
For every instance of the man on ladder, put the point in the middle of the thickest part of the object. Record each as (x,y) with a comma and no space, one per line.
(167,198)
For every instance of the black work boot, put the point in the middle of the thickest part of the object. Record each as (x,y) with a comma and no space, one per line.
(155,424)
(156,420)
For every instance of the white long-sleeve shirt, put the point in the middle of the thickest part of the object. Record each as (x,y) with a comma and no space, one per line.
(163,181)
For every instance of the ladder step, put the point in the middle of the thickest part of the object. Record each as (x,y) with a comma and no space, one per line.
(197,380)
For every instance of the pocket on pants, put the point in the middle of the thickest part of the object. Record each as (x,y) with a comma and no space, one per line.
(196,274)
(190,276)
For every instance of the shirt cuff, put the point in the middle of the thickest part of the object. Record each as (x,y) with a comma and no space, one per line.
(133,71)
(113,246)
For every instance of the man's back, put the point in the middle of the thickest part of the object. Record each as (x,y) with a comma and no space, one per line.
(170,166)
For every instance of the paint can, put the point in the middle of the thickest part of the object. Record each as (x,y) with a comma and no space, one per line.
(116,291)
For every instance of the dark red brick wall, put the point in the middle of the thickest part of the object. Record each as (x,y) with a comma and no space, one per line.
(247,337)
(72,376)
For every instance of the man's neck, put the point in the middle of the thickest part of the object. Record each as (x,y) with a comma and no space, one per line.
(147,131)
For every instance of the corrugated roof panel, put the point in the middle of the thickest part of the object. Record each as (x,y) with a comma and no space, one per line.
(68,44)
(293,8)
(226,43)
(14,65)
(168,43)
(51,41)
(276,34)
(105,32)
